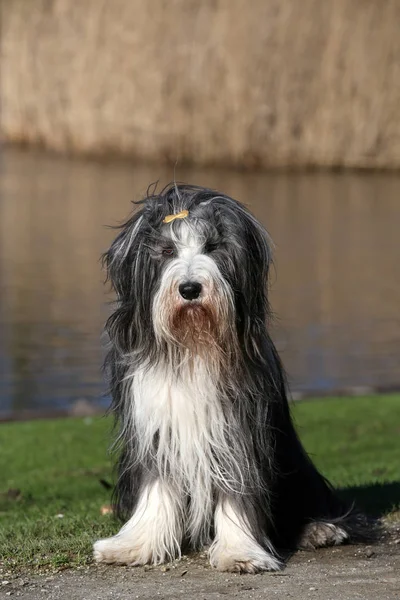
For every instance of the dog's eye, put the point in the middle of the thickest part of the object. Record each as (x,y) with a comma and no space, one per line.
(168,251)
(210,247)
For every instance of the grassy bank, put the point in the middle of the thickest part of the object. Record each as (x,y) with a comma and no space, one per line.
(51,495)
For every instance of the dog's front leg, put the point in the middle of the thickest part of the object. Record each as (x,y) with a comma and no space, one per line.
(152,535)
(235,548)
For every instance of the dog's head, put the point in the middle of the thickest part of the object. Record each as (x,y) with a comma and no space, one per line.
(190,269)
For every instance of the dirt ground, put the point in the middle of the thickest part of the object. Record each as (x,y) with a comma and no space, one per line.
(344,573)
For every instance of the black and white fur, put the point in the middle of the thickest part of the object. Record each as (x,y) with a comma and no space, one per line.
(208,453)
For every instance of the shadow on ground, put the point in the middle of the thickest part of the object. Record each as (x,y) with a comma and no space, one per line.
(376,499)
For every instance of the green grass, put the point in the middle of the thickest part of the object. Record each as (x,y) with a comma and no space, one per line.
(355,442)
(57,466)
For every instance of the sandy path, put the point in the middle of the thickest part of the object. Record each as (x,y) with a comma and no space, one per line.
(346,573)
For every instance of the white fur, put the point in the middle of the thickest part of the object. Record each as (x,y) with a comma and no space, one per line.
(191,264)
(152,535)
(191,428)
(234,547)
(319,533)
(189,242)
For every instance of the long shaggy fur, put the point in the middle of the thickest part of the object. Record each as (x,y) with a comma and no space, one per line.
(208,451)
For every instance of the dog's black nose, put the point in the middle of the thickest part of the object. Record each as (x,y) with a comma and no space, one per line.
(190,290)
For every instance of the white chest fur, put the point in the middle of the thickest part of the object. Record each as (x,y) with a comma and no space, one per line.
(184,415)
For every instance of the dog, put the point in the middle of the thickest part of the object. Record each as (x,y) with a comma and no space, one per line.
(208,454)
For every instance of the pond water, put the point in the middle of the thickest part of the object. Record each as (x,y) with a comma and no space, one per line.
(335,287)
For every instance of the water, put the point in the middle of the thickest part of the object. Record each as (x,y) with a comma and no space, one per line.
(335,291)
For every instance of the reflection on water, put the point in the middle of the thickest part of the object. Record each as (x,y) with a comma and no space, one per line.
(336,289)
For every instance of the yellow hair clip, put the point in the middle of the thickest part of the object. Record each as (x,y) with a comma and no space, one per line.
(181,215)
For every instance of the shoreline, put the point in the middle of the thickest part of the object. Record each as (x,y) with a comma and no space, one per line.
(83,408)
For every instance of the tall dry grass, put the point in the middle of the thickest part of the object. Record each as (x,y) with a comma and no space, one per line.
(238,82)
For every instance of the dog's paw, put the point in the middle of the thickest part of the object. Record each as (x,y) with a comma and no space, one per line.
(116,550)
(318,534)
(234,563)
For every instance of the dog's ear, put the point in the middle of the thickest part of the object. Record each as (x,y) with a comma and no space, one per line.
(118,259)
(255,247)
(258,258)
(259,245)
(254,259)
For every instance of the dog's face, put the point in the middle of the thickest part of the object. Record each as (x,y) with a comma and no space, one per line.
(194,279)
